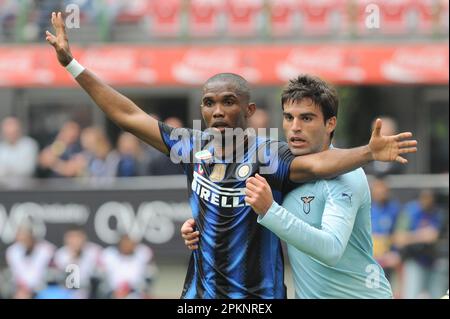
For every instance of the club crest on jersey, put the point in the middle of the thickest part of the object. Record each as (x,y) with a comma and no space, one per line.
(243,171)
(204,155)
(307,203)
(218,173)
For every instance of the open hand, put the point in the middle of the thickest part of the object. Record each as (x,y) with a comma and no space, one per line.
(60,42)
(389,148)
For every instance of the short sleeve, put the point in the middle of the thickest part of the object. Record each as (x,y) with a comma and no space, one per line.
(179,142)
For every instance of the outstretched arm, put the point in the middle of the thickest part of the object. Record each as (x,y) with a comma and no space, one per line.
(335,162)
(116,106)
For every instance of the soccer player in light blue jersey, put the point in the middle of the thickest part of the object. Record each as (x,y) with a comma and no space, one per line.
(325,223)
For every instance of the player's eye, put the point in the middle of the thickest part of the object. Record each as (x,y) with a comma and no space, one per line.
(307,118)
(208,103)
(228,103)
(288,117)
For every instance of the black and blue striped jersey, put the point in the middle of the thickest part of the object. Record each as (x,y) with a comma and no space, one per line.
(236,257)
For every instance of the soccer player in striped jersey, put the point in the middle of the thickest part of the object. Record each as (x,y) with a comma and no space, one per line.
(233,239)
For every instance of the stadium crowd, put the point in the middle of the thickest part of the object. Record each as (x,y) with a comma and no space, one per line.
(26,20)
(80,269)
(79,152)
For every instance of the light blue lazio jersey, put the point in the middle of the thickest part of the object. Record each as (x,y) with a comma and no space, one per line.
(327,227)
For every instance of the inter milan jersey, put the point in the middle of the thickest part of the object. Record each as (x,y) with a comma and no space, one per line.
(236,257)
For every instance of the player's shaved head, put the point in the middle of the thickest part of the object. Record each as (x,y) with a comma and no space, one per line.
(240,85)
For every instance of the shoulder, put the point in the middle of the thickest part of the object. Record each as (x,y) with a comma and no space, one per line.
(28,141)
(354,182)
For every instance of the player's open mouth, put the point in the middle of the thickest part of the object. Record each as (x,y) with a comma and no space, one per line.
(297,141)
(221,126)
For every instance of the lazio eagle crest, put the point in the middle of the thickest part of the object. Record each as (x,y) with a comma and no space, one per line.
(307,203)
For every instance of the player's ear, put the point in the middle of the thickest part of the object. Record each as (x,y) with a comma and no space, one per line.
(331,124)
(251,109)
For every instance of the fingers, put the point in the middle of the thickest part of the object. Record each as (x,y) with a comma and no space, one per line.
(58,23)
(254,181)
(191,242)
(261,179)
(403,136)
(401,160)
(377,128)
(407,150)
(250,200)
(190,222)
(50,38)
(190,235)
(410,143)
(252,187)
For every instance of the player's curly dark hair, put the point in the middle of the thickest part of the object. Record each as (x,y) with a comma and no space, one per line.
(320,92)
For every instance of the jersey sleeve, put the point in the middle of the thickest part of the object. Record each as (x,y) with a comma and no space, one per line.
(179,142)
(275,161)
(328,242)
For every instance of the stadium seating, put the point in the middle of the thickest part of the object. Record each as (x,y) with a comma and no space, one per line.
(393,16)
(444,18)
(323,17)
(426,15)
(165,18)
(204,17)
(244,17)
(130,11)
(283,17)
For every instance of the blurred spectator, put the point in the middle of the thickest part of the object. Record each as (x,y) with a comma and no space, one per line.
(381,169)
(161,164)
(43,10)
(9,10)
(260,119)
(77,250)
(416,236)
(128,269)
(28,260)
(57,158)
(132,160)
(18,153)
(98,159)
(384,213)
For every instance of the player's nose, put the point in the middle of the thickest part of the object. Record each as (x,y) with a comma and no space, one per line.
(296,125)
(218,111)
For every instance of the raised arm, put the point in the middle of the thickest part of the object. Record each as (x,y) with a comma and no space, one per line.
(116,106)
(335,162)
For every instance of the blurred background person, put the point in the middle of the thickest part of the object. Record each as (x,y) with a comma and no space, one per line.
(128,269)
(381,169)
(384,215)
(98,159)
(28,259)
(159,164)
(77,250)
(260,119)
(416,236)
(132,160)
(56,160)
(18,153)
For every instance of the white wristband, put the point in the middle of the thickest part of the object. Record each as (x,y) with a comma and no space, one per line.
(75,68)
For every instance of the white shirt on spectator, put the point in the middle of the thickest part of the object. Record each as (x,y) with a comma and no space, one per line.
(88,261)
(30,270)
(19,159)
(126,269)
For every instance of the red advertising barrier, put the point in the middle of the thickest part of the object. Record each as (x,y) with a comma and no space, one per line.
(36,66)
